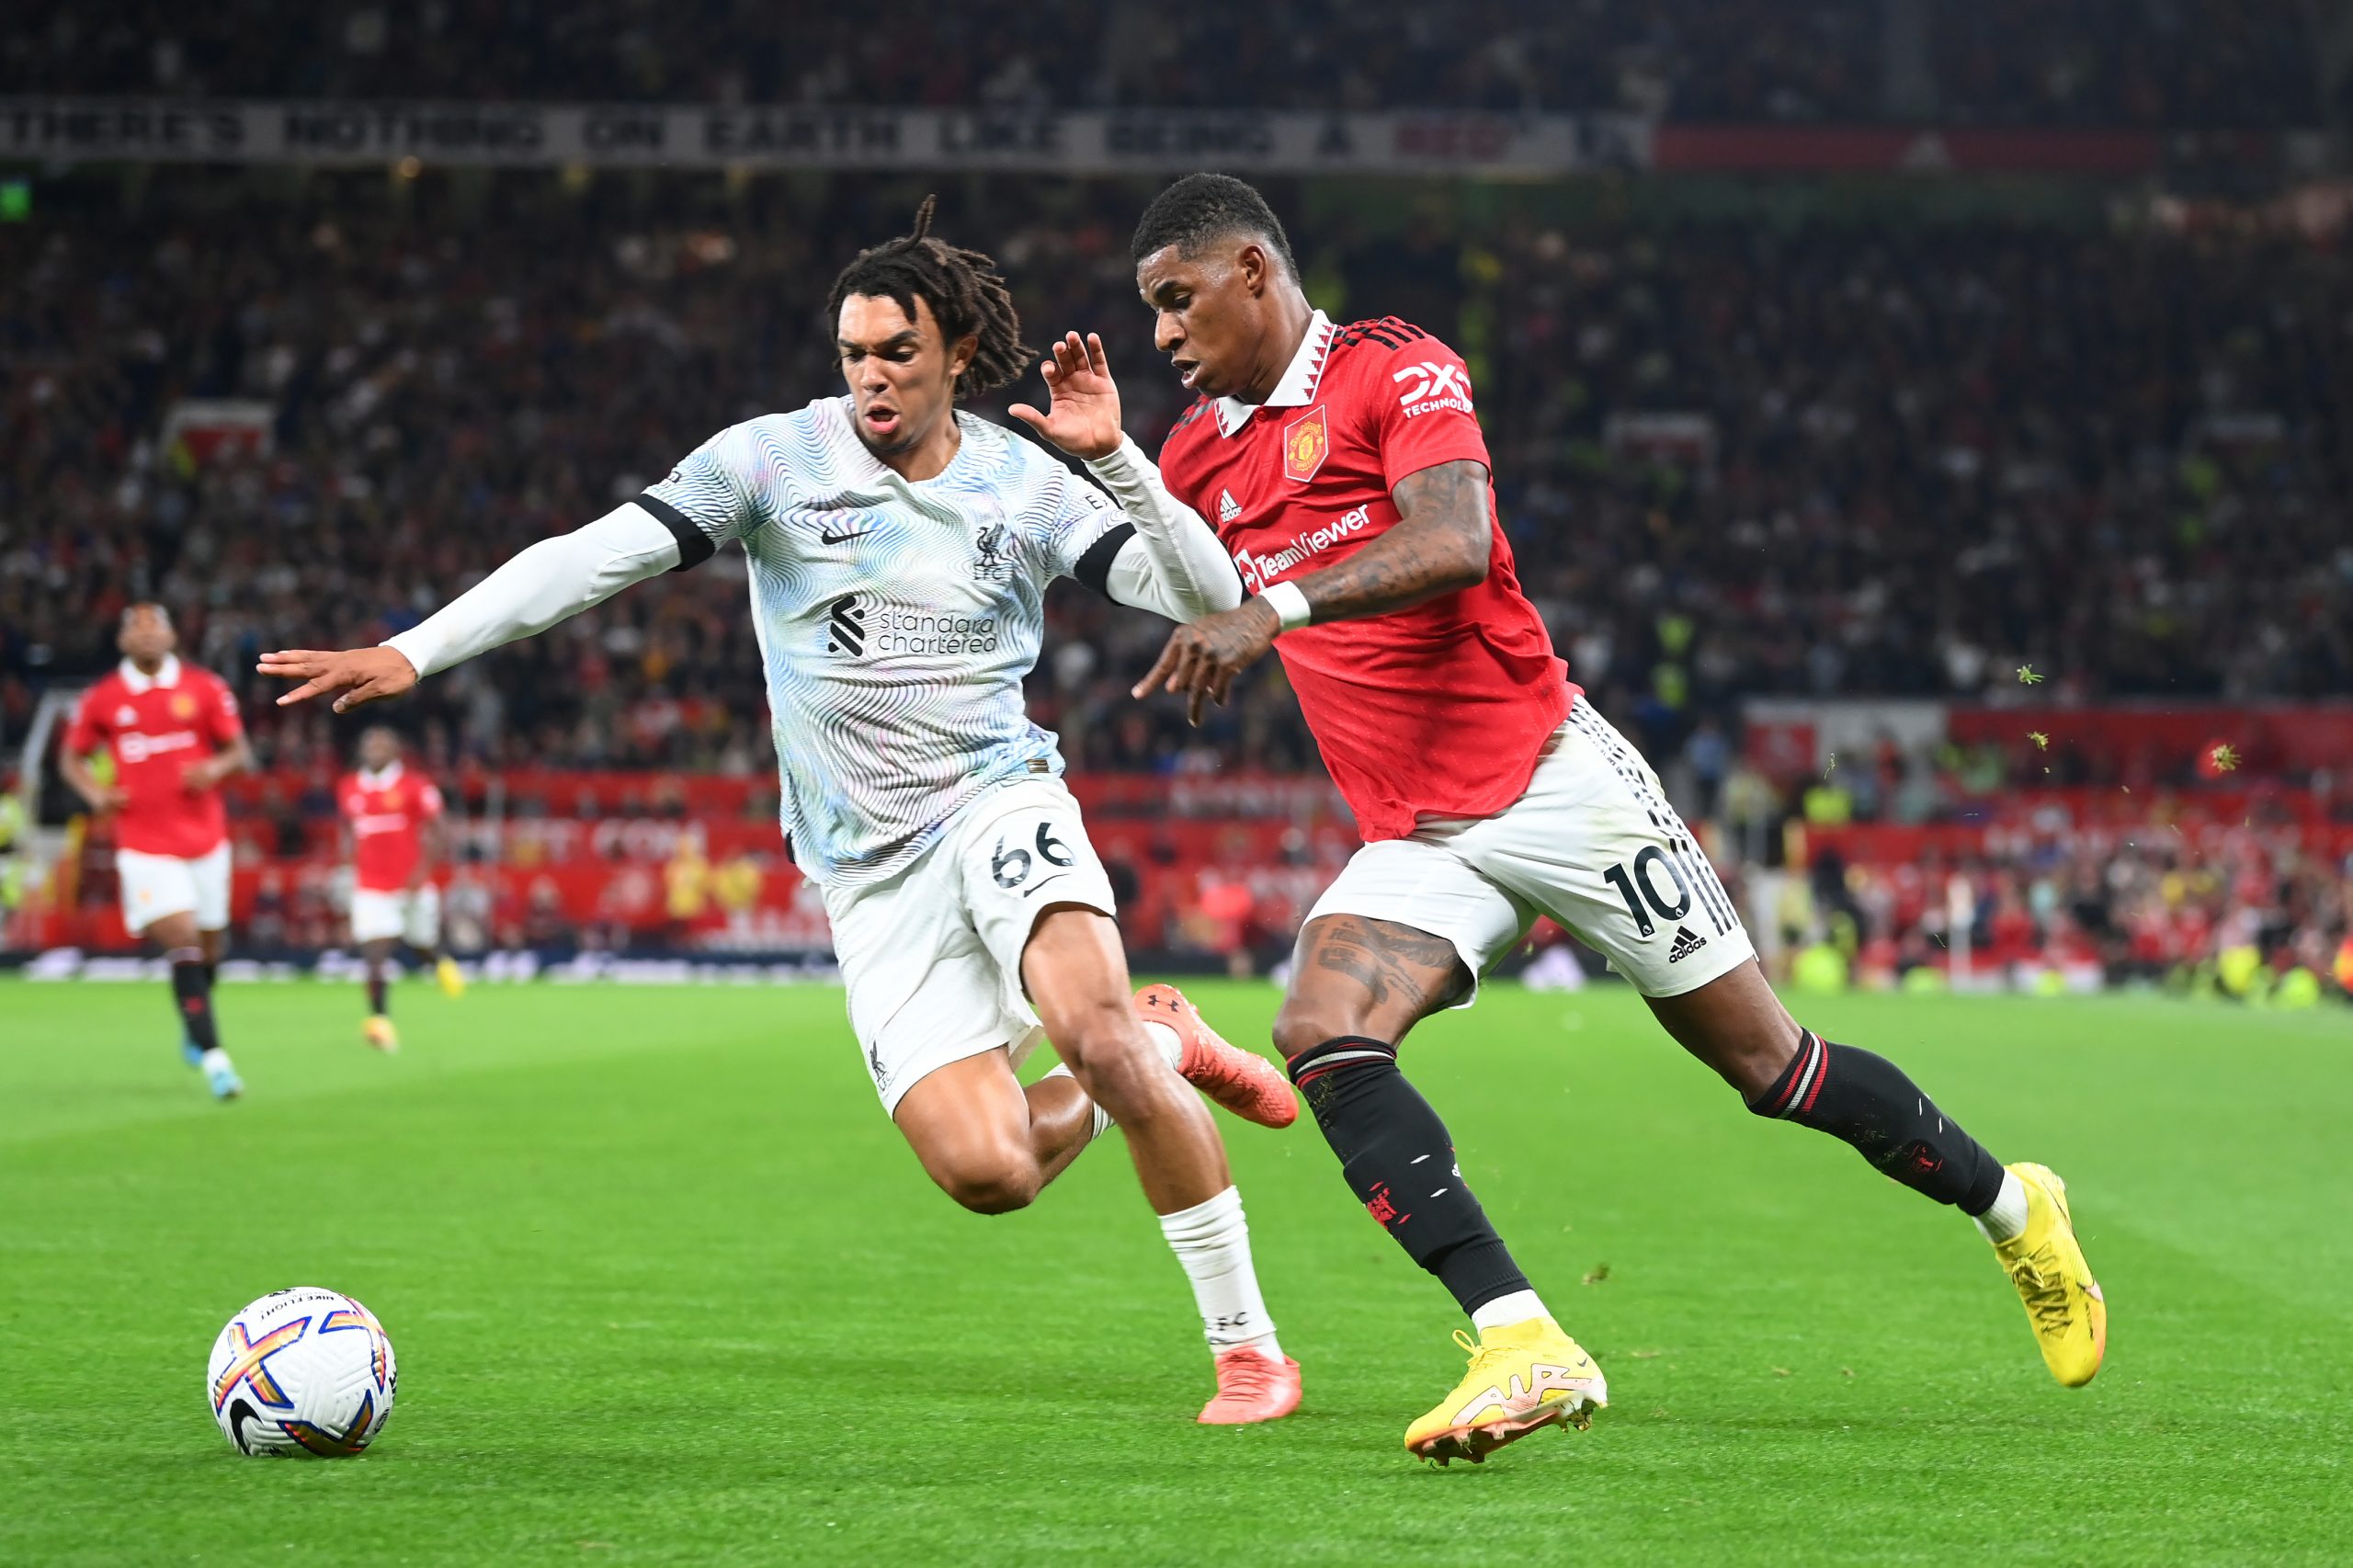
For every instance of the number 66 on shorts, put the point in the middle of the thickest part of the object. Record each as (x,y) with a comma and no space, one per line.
(1011,866)
(931,956)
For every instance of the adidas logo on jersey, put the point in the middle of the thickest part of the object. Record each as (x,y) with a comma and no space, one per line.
(1228,508)
(1686,944)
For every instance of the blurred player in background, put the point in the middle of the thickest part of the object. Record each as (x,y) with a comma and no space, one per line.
(1349,476)
(172,733)
(395,835)
(900,550)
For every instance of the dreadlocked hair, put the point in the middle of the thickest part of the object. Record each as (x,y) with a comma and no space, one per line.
(966,292)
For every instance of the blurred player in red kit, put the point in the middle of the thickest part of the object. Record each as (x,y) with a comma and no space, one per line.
(1344,470)
(173,733)
(395,837)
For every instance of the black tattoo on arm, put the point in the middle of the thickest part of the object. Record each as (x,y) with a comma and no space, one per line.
(1439,545)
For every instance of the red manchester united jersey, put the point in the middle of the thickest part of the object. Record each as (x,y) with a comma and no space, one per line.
(1438,709)
(387,812)
(155,727)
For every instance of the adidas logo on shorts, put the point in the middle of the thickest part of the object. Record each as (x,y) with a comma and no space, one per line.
(1686,944)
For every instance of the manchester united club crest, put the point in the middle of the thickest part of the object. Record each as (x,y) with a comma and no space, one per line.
(1306,443)
(183,706)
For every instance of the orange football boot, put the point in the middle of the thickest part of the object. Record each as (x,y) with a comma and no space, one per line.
(1252,1387)
(1243,1081)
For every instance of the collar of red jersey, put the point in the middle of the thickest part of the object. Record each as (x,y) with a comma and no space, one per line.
(167,677)
(381,778)
(1296,390)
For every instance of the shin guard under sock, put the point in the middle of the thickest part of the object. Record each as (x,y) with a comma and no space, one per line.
(1397,1158)
(1866,1100)
(192,990)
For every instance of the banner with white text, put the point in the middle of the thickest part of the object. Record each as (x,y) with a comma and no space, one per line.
(1144,142)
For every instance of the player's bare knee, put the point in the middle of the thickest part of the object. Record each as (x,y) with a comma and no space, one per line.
(998,1186)
(1110,1053)
(1304,1023)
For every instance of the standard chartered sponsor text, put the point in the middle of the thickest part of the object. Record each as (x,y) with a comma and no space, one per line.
(895,630)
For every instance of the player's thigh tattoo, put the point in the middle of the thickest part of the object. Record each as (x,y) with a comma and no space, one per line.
(1398,966)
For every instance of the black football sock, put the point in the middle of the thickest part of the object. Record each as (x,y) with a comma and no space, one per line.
(1396,1157)
(377,1002)
(1868,1101)
(192,989)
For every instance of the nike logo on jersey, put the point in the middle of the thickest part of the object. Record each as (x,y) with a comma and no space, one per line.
(839,539)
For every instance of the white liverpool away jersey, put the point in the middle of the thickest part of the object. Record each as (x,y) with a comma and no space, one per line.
(896,618)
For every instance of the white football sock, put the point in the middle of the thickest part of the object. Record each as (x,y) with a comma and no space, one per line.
(216,1060)
(1213,1241)
(2008,1217)
(1170,1046)
(1102,1117)
(1517,1307)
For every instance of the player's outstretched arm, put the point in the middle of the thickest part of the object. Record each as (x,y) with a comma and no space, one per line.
(1173,565)
(553,579)
(1439,545)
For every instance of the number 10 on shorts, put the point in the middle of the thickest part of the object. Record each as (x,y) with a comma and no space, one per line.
(1011,867)
(1641,878)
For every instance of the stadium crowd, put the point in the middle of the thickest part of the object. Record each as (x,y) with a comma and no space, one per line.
(2110,63)
(1733,459)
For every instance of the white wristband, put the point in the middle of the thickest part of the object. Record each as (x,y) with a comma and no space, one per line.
(1289,604)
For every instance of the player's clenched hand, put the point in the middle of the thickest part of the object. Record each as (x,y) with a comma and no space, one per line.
(1201,659)
(358,675)
(1081,413)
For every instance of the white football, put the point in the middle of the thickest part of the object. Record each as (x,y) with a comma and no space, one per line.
(301,1371)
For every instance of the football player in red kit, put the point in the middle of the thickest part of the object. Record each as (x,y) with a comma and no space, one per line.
(395,835)
(173,733)
(1344,470)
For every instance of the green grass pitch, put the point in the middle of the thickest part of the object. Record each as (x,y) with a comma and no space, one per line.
(666,1287)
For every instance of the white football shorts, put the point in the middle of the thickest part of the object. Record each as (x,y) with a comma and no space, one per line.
(156,885)
(398,914)
(1593,844)
(932,957)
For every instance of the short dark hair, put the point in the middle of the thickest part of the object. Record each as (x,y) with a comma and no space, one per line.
(1205,206)
(966,292)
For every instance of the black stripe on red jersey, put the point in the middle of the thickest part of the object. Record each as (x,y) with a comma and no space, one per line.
(1200,406)
(1387,331)
(695,547)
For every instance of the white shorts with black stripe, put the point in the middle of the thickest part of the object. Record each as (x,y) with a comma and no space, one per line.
(1593,844)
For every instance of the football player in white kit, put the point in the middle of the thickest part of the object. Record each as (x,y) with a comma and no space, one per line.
(899,553)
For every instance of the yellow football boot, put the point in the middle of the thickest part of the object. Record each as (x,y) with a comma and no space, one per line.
(1523,1376)
(452,978)
(2062,1300)
(378,1032)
